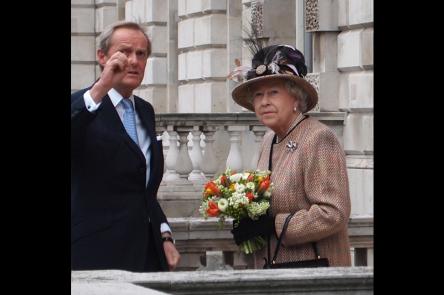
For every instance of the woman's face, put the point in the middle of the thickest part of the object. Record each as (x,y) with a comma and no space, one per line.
(273,105)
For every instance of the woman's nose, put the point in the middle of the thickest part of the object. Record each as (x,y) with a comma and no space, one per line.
(265,99)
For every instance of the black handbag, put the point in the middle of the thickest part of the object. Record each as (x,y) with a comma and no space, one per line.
(317,262)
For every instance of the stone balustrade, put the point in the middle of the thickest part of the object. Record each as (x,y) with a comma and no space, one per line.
(314,281)
(199,146)
(203,144)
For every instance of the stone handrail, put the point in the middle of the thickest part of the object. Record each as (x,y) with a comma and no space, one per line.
(330,280)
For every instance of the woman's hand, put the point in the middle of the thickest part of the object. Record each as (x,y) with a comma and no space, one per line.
(248,228)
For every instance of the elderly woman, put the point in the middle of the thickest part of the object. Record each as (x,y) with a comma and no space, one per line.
(306,160)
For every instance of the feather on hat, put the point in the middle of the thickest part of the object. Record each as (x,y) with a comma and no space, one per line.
(271,62)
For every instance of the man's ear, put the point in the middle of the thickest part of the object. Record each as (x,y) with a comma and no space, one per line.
(101,57)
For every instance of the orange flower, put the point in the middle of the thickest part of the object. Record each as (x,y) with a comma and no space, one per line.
(211,189)
(212,210)
(264,185)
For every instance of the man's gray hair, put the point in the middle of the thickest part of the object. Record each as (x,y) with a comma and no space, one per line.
(105,36)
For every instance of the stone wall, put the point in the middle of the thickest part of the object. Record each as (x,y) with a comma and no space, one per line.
(82,43)
(343,71)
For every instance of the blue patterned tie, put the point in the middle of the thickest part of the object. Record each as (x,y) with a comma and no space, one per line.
(129,119)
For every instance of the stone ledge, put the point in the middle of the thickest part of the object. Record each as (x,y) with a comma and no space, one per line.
(185,228)
(111,288)
(204,119)
(334,280)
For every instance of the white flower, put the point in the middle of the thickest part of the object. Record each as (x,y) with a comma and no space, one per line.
(222,204)
(257,209)
(235,177)
(267,194)
(245,176)
(250,185)
(237,199)
(239,187)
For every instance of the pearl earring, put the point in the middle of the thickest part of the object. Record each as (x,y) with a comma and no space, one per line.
(295,109)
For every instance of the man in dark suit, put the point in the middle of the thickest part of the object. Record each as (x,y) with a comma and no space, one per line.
(117,165)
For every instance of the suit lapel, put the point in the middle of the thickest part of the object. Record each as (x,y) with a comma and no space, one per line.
(146,116)
(112,118)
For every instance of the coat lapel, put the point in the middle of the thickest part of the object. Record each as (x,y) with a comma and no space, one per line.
(146,116)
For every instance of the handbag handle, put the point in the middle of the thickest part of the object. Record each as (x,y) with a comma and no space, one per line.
(284,230)
(287,220)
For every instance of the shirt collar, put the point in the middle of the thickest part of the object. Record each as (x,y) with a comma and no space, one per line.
(116,97)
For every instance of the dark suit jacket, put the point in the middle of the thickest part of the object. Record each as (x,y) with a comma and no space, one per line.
(111,206)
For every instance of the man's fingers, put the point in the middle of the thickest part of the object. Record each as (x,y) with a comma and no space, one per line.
(117,65)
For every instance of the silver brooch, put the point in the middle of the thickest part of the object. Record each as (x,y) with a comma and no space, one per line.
(261,69)
(292,146)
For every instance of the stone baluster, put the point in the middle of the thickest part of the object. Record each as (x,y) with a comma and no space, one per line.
(209,162)
(164,148)
(183,164)
(234,160)
(171,158)
(196,175)
(259,132)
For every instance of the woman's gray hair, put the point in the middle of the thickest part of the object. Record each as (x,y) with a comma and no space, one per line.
(297,92)
(105,36)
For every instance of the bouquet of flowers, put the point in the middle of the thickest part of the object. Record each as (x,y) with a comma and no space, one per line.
(238,195)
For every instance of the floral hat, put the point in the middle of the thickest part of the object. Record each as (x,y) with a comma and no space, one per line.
(275,61)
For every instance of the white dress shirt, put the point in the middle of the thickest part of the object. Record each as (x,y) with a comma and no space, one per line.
(142,134)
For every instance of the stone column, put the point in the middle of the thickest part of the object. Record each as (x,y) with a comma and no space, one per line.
(172,57)
(83,49)
(355,62)
(234,47)
(321,18)
(171,158)
(196,175)
(202,61)
(106,14)
(153,16)
(259,132)
(183,164)
(209,161)
(234,160)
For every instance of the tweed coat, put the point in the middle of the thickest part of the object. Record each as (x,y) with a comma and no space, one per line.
(310,181)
